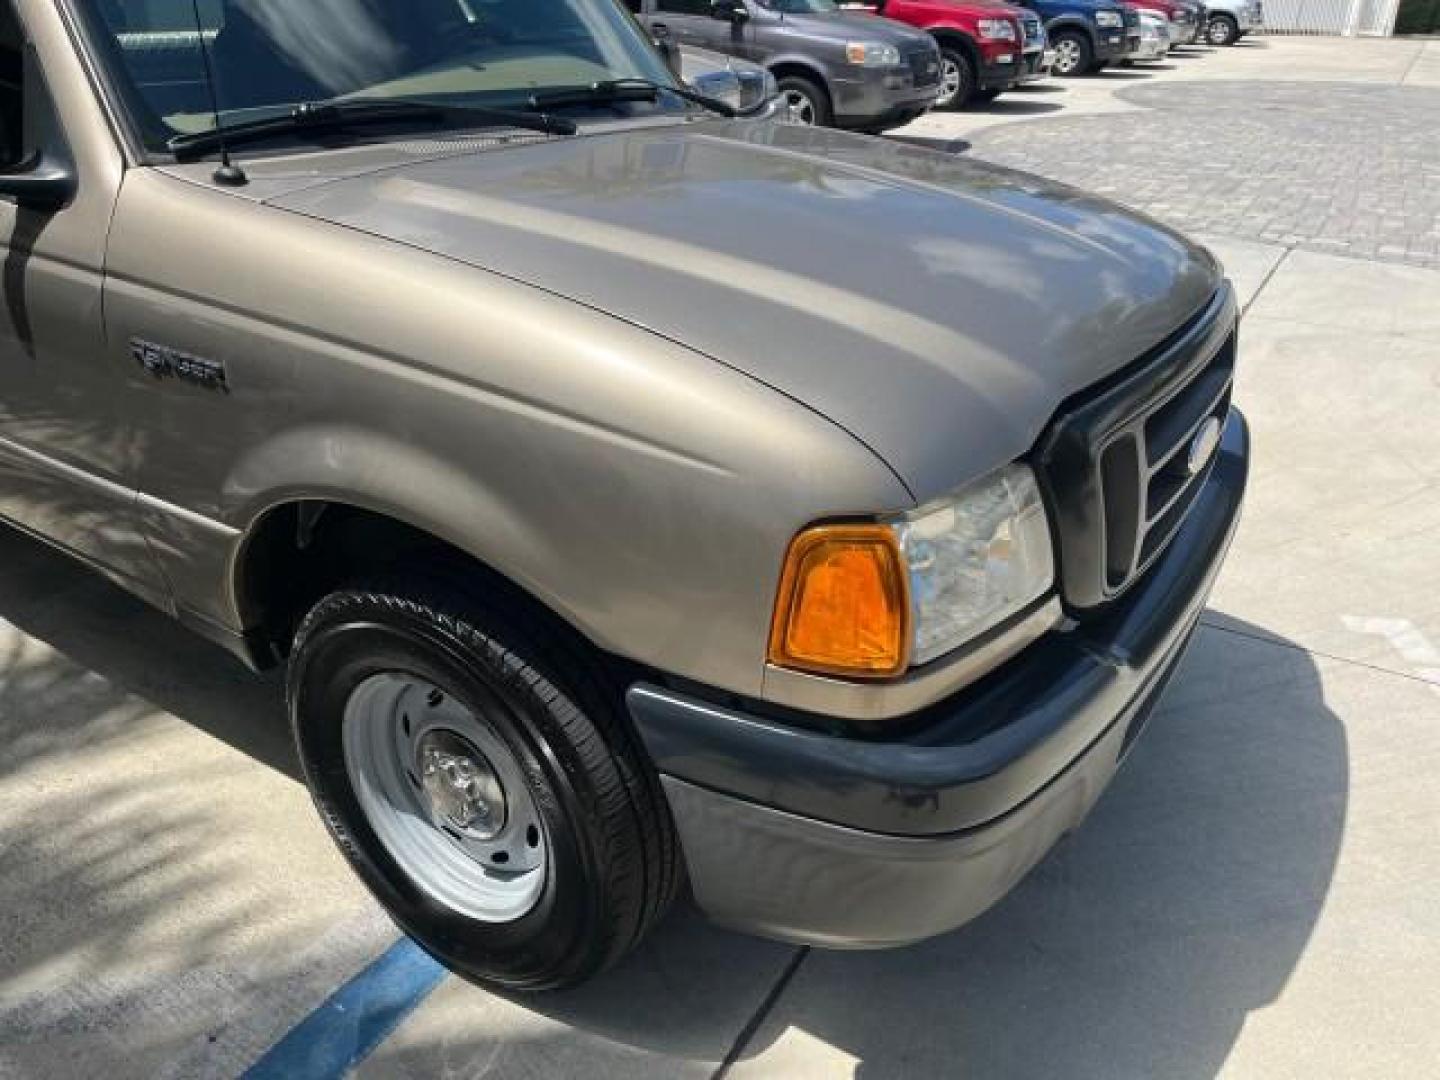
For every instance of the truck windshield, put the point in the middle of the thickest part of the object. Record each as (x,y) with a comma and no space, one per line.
(253,59)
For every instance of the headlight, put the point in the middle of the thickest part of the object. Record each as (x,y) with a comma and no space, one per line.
(975,559)
(1112,19)
(997,29)
(871,54)
(869,600)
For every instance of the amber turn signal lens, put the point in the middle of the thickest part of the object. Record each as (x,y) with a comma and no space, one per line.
(844,604)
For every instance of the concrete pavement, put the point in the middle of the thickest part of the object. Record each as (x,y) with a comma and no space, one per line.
(1255,896)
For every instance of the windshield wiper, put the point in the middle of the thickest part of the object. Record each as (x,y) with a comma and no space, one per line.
(332,115)
(613,90)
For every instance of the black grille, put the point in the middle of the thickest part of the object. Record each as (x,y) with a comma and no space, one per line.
(1032,30)
(1122,466)
(924,67)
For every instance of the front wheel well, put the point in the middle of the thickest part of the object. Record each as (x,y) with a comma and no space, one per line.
(788,68)
(954,39)
(1061,26)
(302,551)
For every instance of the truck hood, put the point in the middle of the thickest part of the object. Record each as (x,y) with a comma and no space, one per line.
(847,26)
(937,309)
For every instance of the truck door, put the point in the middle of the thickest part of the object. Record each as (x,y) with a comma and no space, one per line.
(66,465)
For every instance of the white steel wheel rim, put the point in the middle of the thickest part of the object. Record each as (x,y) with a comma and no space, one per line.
(801,108)
(446,797)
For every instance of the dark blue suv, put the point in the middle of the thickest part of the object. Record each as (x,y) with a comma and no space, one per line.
(1087,35)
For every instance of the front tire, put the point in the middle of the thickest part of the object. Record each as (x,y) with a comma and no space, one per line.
(1073,54)
(807,101)
(503,815)
(957,79)
(1222,30)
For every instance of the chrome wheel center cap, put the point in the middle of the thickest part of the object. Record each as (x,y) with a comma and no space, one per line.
(462,789)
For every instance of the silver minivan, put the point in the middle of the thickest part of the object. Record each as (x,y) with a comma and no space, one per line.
(833,67)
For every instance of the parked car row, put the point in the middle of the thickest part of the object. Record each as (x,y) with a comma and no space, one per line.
(873,65)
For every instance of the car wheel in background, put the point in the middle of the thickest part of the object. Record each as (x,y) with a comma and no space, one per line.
(504,816)
(1073,55)
(1222,30)
(806,101)
(957,79)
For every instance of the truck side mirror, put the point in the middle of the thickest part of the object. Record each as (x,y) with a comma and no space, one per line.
(39,184)
(35,170)
(733,11)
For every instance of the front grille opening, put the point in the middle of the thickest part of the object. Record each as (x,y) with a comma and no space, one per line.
(1171,427)
(1119,480)
(1160,532)
(1174,476)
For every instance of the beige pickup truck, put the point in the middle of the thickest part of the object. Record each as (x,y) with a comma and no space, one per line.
(642,497)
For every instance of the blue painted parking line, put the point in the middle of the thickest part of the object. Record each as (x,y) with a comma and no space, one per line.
(355,1019)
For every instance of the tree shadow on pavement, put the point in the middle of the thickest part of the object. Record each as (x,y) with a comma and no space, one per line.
(144,929)
(136,650)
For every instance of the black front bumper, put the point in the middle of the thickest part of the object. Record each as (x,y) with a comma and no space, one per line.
(1002,76)
(847,842)
(876,99)
(1112,45)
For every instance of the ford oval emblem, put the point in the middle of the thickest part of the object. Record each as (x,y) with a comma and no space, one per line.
(1203,446)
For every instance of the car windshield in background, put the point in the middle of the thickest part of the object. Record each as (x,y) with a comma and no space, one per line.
(270,57)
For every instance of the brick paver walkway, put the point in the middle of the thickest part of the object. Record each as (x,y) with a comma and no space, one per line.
(1331,167)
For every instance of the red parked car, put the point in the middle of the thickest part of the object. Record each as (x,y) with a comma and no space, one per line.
(983,44)
(1182,15)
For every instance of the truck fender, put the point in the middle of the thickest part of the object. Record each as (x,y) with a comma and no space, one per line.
(376,472)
